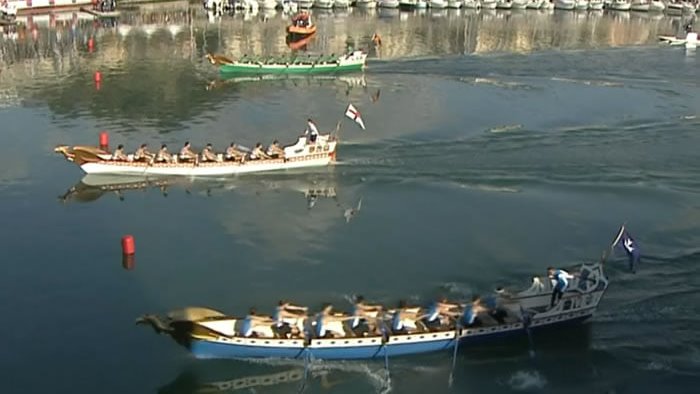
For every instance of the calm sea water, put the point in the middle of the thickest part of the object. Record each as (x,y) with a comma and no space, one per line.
(496,144)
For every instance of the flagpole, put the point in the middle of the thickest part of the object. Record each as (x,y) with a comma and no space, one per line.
(612,245)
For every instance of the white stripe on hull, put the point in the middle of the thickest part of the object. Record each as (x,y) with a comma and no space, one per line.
(214,169)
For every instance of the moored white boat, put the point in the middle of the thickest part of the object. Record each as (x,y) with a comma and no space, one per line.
(489,4)
(341,4)
(564,4)
(519,4)
(620,5)
(504,4)
(581,5)
(366,4)
(471,4)
(656,6)
(388,3)
(454,4)
(639,6)
(437,4)
(534,4)
(596,5)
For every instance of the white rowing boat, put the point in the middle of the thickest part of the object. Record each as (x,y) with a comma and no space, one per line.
(304,153)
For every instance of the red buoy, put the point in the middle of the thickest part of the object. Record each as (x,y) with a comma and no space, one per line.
(98,76)
(91,44)
(128,247)
(104,140)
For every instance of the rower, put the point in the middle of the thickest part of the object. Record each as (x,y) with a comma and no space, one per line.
(295,313)
(233,154)
(404,319)
(311,130)
(470,317)
(274,150)
(186,153)
(208,154)
(366,312)
(441,312)
(253,321)
(118,154)
(142,153)
(329,323)
(163,156)
(258,153)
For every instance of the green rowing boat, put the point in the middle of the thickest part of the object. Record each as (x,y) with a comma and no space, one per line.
(353,61)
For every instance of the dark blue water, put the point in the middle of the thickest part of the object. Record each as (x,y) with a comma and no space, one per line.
(489,154)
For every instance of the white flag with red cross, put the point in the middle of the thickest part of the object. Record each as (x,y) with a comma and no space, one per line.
(354,114)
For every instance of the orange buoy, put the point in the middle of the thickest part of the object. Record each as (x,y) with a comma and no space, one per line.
(98,76)
(91,44)
(104,141)
(128,261)
(128,247)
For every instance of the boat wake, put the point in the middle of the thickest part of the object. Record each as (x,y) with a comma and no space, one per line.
(589,82)
(497,83)
(526,380)
(505,128)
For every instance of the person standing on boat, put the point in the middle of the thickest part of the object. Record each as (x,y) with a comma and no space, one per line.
(163,156)
(311,130)
(560,281)
(118,154)
(186,153)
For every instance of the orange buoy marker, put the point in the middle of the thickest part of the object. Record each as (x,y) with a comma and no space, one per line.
(91,44)
(104,143)
(98,76)
(128,247)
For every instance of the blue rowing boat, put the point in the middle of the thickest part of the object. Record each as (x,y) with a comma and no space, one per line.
(209,333)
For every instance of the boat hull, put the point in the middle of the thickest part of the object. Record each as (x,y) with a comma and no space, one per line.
(205,169)
(241,68)
(403,345)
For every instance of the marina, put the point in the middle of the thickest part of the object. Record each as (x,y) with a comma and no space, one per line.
(496,139)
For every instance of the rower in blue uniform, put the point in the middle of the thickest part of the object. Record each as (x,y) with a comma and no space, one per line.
(560,279)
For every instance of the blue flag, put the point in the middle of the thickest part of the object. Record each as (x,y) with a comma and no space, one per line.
(625,240)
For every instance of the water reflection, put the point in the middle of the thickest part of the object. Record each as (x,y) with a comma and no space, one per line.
(312,187)
(236,376)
